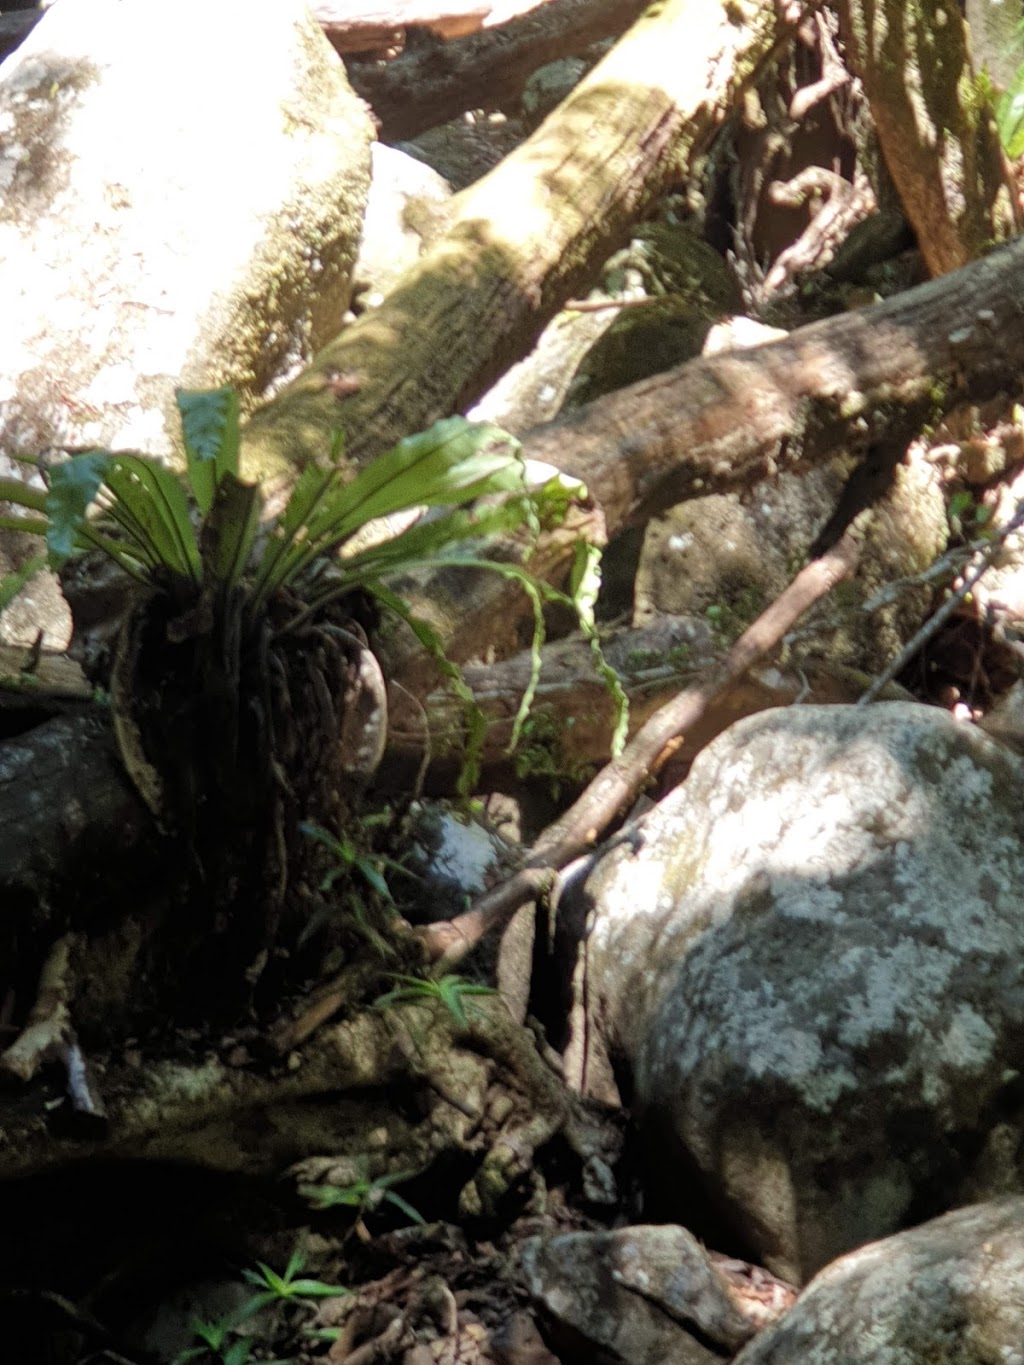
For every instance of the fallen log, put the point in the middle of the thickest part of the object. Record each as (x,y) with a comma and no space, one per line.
(721,422)
(433,80)
(368,27)
(573,718)
(522,240)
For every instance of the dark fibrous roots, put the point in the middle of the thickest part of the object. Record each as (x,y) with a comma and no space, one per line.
(241,734)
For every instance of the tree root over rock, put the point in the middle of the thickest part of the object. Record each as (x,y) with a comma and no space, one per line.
(481,1094)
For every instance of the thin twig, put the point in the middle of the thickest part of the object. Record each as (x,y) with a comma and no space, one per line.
(601,305)
(934,624)
(619,781)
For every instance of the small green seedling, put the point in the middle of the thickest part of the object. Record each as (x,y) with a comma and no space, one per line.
(350,859)
(363,1195)
(450,990)
(289,1287)
(219,1341)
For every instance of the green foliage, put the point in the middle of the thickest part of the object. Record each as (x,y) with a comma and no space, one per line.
(350,859)
(730,619)
(450,991)
(1010,117)
(199,539)
(219,1341)
(1007,104)
(222,1340)
(967,517)
(454,462)
(12,583)
(210,429)
(585,584)
(545,752)
(274,1288)
(363,1195)
(147,523)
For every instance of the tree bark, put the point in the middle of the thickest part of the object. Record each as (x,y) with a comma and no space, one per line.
(573,712)
(433,81)
(722,422)
(522,240)
(712,424)
(936,130)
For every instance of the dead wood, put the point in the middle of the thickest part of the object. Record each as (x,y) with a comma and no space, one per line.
(722,422)
(936,132)
(573,715)
(368,27)
(522,240)
(433,80)
(622,780)
(712,424)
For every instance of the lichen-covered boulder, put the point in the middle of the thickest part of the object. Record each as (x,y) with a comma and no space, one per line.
(947,1291)
(808,964)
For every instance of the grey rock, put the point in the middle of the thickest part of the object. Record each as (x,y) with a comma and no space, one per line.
(947,1293)
(406,210)
(643,1295)
(809,962)
(729,555)
(177,209)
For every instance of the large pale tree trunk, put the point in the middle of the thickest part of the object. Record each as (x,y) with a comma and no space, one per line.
(524,239)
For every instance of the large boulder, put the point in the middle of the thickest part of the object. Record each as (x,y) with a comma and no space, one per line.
(728,555)
(806,965)
(183,191)
(947,1291)
(182,195)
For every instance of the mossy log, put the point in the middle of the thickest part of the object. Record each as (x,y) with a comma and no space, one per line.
(523,240)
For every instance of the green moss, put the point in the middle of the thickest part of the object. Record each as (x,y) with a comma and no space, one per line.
(542,752)
(731,618)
